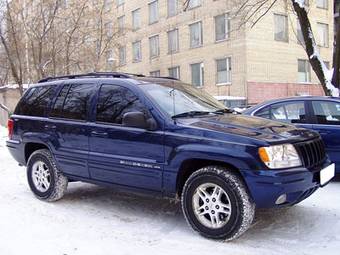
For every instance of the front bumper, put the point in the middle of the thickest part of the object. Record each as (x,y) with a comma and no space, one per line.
(266,186)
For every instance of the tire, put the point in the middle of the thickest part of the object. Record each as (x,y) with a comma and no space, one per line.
(44,178)
(226,218)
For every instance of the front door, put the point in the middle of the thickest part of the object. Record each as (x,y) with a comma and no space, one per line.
(123,155)
(327,123)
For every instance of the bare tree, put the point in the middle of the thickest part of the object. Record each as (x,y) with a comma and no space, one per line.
(54,37)
(103,34)
(252,11)
(38,26)
(10,35)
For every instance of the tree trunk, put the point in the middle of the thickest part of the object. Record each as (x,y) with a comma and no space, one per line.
(5,108)
(336,59)
(311,45)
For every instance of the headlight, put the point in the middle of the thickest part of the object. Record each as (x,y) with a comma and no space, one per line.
(280,156)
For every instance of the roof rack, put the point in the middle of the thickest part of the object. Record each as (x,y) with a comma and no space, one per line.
(99,75)
(92,75)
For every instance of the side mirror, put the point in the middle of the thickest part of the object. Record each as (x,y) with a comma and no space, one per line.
(138,120)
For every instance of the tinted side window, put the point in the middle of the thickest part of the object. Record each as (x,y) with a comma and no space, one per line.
(72,102)
(36,101)
(289,112)
(327,112)
(114,102)
(264,113)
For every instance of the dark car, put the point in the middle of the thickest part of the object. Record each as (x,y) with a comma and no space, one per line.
(166,138)
(321,114)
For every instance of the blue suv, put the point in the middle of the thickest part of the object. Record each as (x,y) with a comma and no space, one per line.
(162,137)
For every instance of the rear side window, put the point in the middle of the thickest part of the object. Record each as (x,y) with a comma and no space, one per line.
(36,101)
(293,112)
(327,112)
(72,102)
(114,102)
(264,113)
(289,112)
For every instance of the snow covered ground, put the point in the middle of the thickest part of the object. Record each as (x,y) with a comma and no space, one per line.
(96,220)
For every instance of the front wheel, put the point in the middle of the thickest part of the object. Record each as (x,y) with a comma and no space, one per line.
(216,203)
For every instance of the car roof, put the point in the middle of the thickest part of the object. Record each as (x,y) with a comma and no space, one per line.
(289,99)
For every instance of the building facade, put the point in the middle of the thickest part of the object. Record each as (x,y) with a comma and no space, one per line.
(205,46)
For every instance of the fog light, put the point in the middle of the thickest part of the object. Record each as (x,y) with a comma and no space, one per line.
(281,199)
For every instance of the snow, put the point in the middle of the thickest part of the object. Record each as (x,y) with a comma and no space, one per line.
(301,3)
(96,220)
(220,98)
(14,86)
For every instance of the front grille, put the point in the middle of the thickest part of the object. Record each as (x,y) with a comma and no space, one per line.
(312,153)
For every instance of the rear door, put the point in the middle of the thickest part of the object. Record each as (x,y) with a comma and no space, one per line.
(326,120)
(69,124)
(123,155)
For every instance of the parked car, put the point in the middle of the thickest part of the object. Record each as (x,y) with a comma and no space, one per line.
(321,114)
(163,137)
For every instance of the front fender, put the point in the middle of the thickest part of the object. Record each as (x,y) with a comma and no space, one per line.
(239,156)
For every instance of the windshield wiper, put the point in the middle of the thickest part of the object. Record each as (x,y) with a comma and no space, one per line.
(190,114)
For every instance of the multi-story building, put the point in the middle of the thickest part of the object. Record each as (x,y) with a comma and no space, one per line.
(204,45)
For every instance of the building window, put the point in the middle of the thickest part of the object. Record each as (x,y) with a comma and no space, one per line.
(304,71)
(136,21)
(120,2)
(173,41)
(322,4)
(121,24)
(222,27)
(154,46)
(223,72)
(63,4)
(174,72)
(107,5)
(122,55)
(323,32)
(299,34)
(109,29)
(172,8)
(153,12)
(197,74)
(109,56)
(194,3)
(281,27)
(137,51)
(196,35)
(155,73)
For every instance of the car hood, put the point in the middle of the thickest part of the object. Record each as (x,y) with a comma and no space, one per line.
(251,127)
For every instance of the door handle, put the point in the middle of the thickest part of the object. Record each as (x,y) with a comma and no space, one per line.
(99,134)
(324,132)
(50,127)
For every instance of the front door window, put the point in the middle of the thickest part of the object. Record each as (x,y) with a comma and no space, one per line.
(327,112)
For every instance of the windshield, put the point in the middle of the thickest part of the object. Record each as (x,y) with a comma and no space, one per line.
(176,98)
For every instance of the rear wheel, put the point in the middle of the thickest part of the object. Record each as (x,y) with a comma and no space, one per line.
(44,178)
(216,203)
